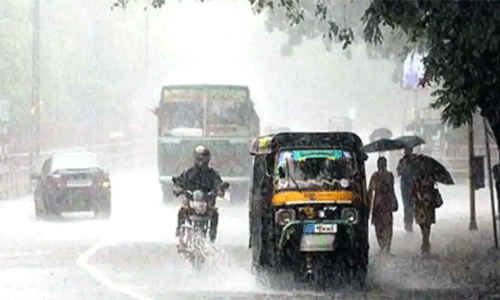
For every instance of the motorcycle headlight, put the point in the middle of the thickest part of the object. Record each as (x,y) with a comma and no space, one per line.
(285,216)
(200,207)
(350,215)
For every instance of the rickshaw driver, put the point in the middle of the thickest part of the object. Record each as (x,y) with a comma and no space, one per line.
(204,178)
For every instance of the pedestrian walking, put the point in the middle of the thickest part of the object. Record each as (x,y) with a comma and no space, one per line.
(406,185)
(381,190)
(426,198)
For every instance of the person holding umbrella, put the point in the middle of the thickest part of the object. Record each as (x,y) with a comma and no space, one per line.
(381,190)
(424,194)
(406,185)
(426,198)
(406,178)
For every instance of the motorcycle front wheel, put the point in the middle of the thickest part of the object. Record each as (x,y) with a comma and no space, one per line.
(198,258)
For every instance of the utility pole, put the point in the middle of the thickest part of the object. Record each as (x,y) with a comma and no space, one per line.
(472,191)
(490,180)
(146,42)
(146,54)
(35,84)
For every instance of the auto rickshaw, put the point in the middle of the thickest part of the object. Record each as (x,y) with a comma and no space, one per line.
(309,208)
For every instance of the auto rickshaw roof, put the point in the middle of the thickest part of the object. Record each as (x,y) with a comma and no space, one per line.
(266,144)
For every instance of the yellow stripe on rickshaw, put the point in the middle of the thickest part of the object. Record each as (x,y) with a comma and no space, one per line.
(287,197)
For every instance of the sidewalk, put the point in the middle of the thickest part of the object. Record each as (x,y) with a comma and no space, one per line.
(466,259)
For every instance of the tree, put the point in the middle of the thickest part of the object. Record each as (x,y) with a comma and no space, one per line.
(462,39)
(15,68)
(91,63)
(333,21)
(14,62)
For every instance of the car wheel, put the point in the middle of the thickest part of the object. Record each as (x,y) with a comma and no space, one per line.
(40,212)
(104,209)
(50,206)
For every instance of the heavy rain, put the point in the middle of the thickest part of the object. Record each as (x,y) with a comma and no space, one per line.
(235,149)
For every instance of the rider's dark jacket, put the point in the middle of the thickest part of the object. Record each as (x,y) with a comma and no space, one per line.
(196,178)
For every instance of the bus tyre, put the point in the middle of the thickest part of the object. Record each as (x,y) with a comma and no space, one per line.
(104,209)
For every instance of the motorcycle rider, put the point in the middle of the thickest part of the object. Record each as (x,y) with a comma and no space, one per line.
(204,178)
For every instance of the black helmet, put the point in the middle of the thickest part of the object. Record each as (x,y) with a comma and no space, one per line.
(201,156)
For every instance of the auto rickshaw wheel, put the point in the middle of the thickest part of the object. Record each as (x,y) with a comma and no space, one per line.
(358,277)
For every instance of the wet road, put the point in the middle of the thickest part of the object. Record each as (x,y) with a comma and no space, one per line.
(133,255)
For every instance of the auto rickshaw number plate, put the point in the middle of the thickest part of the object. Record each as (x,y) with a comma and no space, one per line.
(325,228)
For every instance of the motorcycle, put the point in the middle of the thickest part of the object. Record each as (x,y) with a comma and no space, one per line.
(193,241)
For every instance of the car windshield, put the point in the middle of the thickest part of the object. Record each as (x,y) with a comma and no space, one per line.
(312,169)
(75,161)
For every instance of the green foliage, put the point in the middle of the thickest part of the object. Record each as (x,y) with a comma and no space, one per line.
(462,39)
(15,57)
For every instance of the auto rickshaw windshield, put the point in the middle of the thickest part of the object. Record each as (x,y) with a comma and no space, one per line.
(312,169)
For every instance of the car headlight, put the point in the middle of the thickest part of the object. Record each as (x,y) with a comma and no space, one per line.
(350,215)
(105,184)
(200,207)
(285,216)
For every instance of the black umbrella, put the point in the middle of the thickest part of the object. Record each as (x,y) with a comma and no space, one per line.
(411,141)
(383,145)
(423,165)
(380,133)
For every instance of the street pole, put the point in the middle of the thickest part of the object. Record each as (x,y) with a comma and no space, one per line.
(473,224)
(404,113)
(146,60)
(146,42)
(490,179)
(35,84)
(146,49)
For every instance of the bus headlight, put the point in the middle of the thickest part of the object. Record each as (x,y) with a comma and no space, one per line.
(284,216)
(350,215)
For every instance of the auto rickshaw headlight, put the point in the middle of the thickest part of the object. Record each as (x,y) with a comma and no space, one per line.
(344,183)
(350,215)
(285,216)
(307,212)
